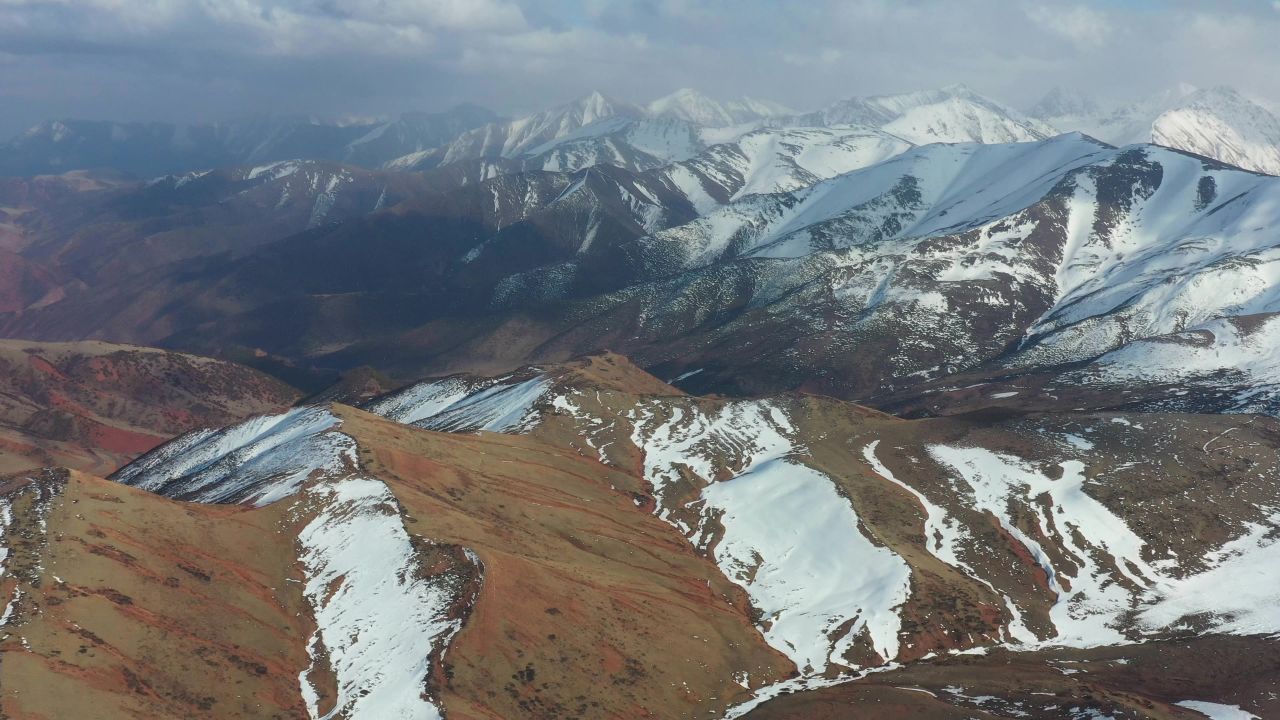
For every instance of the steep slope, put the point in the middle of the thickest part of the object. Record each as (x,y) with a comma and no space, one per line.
(95,406)
(119,603)
(951,114)
(1218,123)
(858,540)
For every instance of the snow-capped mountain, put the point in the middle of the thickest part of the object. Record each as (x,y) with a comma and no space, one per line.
(772,160)
(694,107)
(513,138)
(1217,122)
(596,130)
(935,261)
(952,114)
(542,529)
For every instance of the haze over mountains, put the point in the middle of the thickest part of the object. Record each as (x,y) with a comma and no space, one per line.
(1218,123)
(915,404)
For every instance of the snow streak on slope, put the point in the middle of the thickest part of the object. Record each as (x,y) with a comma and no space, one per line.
(6,522)
(943,535)
(256,462)
(423,400)
(465,405)
(796,547)
(380,622)
(1090,598)
(786,534)
(1107,591)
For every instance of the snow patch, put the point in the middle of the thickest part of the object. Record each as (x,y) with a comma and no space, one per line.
(378,619)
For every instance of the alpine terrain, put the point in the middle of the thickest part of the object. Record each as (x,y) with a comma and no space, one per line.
(911,406)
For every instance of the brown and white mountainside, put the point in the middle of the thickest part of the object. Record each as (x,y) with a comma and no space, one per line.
(95,406)
(583,540)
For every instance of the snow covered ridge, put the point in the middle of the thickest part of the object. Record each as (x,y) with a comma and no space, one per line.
(951,114)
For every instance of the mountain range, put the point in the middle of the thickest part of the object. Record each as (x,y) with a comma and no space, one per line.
(915,406)
(595,129)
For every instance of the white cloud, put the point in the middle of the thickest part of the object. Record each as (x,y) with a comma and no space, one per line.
(1084,26)
(825,56)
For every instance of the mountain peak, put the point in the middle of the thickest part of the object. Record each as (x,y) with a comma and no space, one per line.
(698,108)
(1061,102)
(951,114)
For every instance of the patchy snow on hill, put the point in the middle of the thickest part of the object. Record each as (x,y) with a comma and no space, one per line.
(1238,591)
(786,535)
(1091,599)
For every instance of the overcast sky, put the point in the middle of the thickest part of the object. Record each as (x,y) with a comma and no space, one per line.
(198,60)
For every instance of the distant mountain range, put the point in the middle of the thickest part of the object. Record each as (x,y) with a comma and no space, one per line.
(937,261)
(1218,123)
(150,149)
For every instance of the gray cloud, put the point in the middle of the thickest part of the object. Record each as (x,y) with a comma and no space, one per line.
(193,60)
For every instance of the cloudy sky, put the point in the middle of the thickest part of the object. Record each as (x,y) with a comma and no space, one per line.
(195,60)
